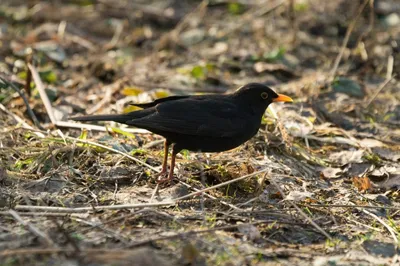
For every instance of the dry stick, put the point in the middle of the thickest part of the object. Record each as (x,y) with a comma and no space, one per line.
(42,251)
(351,206)
(33,229)
(370,23)
(28,73)
(110,90)
(346,40)
(293,22)
(42,93)
(391,231)
(389,77)
(96,208)
(22,95)
(45,214)
(300,211)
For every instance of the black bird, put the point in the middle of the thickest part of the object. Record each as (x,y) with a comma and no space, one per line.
(206,123)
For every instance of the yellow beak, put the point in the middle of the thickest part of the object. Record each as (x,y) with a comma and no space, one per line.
(283,98)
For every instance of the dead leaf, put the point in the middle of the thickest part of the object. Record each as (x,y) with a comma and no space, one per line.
(362,183)
(330,172)
(346,157)
(298,195)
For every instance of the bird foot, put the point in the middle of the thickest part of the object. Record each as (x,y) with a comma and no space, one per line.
(165,180)
(162,177)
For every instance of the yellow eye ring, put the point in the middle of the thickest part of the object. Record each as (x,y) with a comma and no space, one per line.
(264,95)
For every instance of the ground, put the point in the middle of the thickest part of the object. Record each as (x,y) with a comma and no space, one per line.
(318,185)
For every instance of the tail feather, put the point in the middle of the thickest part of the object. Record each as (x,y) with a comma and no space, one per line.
(117,118)
(120,118)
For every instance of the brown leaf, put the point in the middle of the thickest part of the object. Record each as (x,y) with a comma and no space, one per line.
(362,183)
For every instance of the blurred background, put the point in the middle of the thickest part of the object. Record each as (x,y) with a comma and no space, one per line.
(335,147)
(90,49)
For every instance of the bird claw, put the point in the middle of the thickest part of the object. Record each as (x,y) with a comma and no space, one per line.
(164,180)
(162,177)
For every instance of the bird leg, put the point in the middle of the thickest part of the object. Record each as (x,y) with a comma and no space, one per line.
(171,170)
(165,161)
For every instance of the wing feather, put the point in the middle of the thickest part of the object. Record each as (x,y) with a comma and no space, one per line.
(195,116)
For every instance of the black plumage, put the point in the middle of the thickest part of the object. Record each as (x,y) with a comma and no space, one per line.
(207,123)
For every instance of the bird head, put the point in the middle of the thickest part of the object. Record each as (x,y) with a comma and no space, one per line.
(260,95)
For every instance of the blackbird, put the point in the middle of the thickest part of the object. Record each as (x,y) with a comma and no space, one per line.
(205,123)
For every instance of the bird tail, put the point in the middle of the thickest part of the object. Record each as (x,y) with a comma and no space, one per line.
(117,118)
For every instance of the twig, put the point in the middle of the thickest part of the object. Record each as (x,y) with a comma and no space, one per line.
(43,251)
(22,95)
(370,23)
(336,140)
(33,229)
(351,206)
(300,211)
(389,77)
(96,208)
(110,90)
(292,19)
(42,93)
(346,40)
(45,214)
(28,80)
(391,231)
(119,28)
(155,192)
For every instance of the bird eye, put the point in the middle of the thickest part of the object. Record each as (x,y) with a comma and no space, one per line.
(264,95)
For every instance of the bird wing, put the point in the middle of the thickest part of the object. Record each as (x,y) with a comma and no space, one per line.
(155,102)
(196,116)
